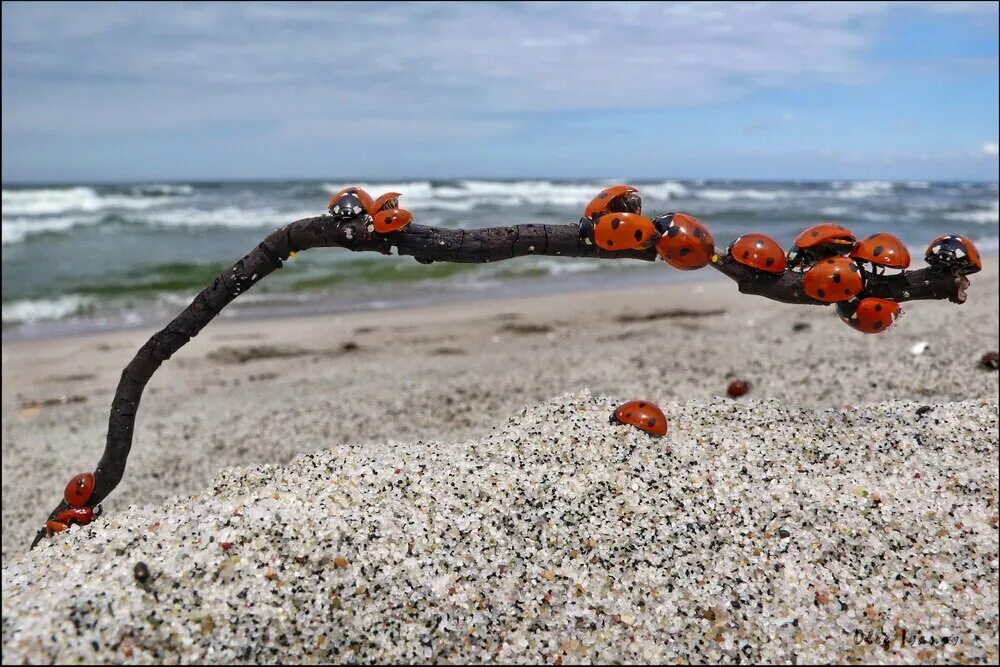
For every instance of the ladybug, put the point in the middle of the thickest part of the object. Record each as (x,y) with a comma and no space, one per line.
(623,231)
(387,216)
(685,243)
(615,199)
(953,251)
(77,493)
(871,315)
(737,388)
(384,213)
(350,203)
(882,250)
(833,279)
(644,415)
(758,252)
(819,242)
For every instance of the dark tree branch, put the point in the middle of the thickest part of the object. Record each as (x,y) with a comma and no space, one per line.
(426,245)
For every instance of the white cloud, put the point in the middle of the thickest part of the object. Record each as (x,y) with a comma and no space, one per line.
(991,149)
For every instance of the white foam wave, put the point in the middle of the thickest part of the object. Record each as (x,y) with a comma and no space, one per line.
(25,311)
(227,216)
(57,201)
(984,216)
(16,229)
(861,189)
(469,194)
(163,189)
(719,194)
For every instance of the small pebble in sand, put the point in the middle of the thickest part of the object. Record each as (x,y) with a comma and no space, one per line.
(737,388)
(990,361)
(141,572)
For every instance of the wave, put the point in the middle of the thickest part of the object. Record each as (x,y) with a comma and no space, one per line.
(469,194)
(60,201)
(26,311)
(983,216)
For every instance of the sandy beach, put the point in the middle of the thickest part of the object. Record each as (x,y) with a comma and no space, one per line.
(442,484)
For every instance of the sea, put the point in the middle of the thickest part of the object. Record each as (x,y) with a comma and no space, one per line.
(91,257)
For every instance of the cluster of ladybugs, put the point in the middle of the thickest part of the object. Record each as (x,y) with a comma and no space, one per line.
(837,266)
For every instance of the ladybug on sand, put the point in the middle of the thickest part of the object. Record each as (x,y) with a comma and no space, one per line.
(644,415)
(953,251)
(77,493)
(758,251)
(819,242)
(833,279)
(871,315)
(684,243)
(882,250)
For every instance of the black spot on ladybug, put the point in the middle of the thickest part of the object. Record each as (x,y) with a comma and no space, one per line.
(878,307)
(821,292)
(615,223)
(746,254)
(836,277)
(652,423)
(684,251)
(829,261)
(638,235)
(878,325)
(611,242)
(769,262)
(815,234)
(642,405)
(698,233)
(877,250)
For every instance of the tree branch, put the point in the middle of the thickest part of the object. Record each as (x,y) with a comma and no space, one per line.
(426,245)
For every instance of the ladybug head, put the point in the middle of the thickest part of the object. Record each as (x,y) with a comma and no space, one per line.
(952,252)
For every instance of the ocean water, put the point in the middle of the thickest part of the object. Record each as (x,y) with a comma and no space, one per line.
(103,256)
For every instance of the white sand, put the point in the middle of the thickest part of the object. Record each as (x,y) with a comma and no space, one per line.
(771,528)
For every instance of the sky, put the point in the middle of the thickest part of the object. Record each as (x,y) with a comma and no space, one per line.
(753,90)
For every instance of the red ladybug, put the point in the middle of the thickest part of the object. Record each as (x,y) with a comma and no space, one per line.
(77,493)
(624,231)
(833,279)
(819,242)
(644,415)
(758,252)
(350,203)
(684,243)
(615,199)
(954,251)
(882,249)
(871,315)
(387,216)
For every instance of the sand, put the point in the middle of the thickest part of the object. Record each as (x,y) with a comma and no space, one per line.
(437,484)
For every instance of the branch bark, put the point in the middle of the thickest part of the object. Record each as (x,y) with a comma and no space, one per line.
(426,245)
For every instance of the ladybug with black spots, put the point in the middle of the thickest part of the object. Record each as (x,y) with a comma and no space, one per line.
(685,243)
(643,415)
(77,493)
(833,279)
(383,214)
(871,315)
(758,251)
(613,220)
(882,251)
(818,243)
(953,251)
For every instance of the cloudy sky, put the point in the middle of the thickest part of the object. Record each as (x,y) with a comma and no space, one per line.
(633,90)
